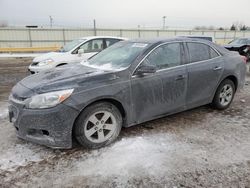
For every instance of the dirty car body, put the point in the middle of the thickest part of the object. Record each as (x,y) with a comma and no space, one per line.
(180,85)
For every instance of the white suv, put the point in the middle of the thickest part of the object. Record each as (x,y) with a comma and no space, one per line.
(73,52)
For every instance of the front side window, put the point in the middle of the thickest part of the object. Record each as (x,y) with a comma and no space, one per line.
(95,45)
(165,56)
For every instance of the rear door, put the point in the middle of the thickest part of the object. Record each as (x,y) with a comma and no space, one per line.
(110,41)
(205,67)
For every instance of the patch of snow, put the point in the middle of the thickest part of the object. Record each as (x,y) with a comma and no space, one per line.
(19,155)
(3,111)
(132,157)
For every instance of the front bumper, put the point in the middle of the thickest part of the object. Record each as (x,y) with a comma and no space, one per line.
(51,127)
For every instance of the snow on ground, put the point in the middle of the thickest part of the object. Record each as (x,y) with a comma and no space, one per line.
(7,55)
(3,110)
(18,155)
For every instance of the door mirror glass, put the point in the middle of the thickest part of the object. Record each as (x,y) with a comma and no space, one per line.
(145,69)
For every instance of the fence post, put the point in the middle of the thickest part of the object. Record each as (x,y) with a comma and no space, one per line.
(139,33)
(120,32)
(158,33)
(29,34)
(94,28)
(225,35)
(63,32)
(234,34)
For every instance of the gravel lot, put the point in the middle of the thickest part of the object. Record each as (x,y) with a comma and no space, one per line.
(198,148)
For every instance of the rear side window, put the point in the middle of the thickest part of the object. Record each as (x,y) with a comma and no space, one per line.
(213,53)
(110,42)
(200,52)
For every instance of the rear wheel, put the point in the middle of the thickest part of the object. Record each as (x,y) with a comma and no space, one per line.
(98,125)
(224,95)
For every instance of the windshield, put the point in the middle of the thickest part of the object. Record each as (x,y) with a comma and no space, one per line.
(118,56)
(69,46)
(239,41)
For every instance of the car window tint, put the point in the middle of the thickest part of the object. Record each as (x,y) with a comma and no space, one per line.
(110,42)
(95,45)
(198,52)
(165,56)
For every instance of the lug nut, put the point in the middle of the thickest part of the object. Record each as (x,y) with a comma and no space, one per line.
(100,130)
(102,122)
(97,123)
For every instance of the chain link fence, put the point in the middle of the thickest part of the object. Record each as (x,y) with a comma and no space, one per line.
(55,37)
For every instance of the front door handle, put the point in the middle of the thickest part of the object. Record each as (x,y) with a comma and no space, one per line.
(180,77)
(217,68)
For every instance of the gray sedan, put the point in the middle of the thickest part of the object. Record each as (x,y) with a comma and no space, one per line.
(129,83)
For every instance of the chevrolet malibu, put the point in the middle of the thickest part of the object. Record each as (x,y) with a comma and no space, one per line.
(127,84)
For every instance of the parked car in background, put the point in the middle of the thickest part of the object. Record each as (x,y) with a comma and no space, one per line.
(204,37)
(129,83)
(241,45)
(73,52)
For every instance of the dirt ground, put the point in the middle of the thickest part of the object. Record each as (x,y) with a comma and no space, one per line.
(197,148)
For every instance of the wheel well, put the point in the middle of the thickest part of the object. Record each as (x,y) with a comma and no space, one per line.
(112,101)
(61,64)
(234,80)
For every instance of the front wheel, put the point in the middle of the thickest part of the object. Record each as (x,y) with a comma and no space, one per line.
(98,125)
(224,95)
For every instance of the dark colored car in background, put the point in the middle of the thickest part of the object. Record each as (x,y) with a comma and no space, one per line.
(127,84)
(241,45)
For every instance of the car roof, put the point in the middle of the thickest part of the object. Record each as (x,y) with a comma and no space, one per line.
(97,37)
(163,40)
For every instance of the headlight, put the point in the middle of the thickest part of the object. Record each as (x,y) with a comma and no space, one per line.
(47,100)
(45,62)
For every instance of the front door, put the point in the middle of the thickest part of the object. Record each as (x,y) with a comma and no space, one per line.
(90,48)
(164,91)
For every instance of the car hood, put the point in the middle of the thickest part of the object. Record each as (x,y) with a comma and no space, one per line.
(66,77)
(50,55)
(57,57)
(234,45)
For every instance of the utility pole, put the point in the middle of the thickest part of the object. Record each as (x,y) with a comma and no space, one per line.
(94,27)
(50,21)
(164,22)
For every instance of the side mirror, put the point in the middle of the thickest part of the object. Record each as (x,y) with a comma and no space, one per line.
(80,51)
(145,69)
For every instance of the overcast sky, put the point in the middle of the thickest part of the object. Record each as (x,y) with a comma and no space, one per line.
(126,13)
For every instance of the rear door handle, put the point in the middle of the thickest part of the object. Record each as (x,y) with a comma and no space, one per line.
(180,77)
(217,68)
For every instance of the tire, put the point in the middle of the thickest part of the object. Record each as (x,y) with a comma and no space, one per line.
(224,95)
(98,125)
